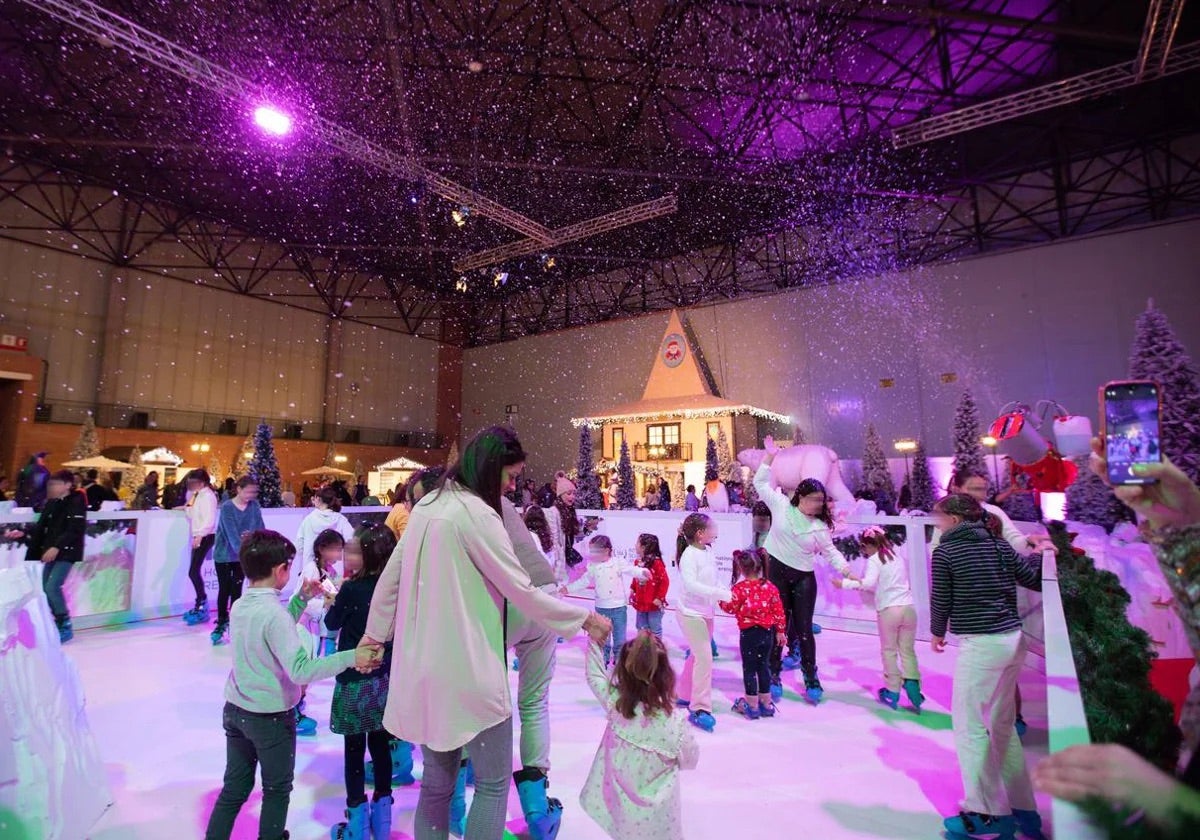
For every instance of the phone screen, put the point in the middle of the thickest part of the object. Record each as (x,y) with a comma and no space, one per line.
(1131,427)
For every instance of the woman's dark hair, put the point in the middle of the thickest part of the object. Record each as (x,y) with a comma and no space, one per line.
(760,509)
(230,483)
(643,677)
(535,521)
(426,479)
(691,488)
(247,481)
(601,541)
(261,552)
(153,474)
(377,543)
(746,563)
(325,539)
(330,498)
(651,550)
(692,525)
(199,474)
(482,461)
(808,487)
(960,478)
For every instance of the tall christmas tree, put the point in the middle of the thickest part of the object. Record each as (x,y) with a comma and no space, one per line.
(587,485)
(798,438)
(1158,355)
(711,472)
(216,471)
(1090,500)
(264,468)
(241,464)
(725,462)
(626,497)
(135,477)
(359,469)
(968,448)
(330,455)
(877,478)
(87,445)
(921,483)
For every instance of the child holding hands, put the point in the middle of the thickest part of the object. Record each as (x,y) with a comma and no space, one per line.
(762,623)
(648,595)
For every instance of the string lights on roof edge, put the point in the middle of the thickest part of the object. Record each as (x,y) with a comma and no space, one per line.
(679,414)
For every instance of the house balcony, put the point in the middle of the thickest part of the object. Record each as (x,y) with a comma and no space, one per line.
(662,452)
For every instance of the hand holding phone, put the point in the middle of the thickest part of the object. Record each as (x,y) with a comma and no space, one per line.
(1132,432)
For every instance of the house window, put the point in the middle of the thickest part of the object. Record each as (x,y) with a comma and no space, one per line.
(618,438)
(714,429)
(666,434)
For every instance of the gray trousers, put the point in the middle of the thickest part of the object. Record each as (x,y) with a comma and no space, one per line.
(536,647)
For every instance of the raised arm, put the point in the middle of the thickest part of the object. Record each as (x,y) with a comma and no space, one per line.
(597,677)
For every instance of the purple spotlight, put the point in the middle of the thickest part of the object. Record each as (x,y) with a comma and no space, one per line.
(272,120)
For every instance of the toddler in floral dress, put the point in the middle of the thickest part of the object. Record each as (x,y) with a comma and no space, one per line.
(632,791)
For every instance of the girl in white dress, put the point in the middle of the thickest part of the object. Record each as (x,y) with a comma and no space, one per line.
(632,791)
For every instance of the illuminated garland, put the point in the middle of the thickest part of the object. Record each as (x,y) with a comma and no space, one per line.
(680,414)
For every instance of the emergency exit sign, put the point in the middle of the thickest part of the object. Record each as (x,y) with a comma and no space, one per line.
(14,342)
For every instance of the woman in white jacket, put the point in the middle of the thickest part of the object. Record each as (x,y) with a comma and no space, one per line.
(325,515)
(442,598)
(201,510)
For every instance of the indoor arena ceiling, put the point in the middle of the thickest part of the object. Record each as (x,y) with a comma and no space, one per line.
(520,166)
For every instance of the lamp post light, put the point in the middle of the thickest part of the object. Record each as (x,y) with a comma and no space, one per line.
(990,442)
(906,446)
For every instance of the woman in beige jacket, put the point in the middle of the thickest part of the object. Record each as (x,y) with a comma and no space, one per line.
(442,598)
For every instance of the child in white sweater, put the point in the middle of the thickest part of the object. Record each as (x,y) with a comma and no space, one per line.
(610,578)
(698,568)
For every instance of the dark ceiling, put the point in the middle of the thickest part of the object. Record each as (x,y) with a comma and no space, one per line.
(759,116)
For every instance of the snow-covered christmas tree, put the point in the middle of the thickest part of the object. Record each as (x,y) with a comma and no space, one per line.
(359,469)
(1090,500)
(1158,355)
(587,485)
(330,455)
(452,455)
(921,483)
(968,446)
(264,468)
(241,464)
(87,445)
(711,472)
(216,471)
(626,497)
(877,478)
(725,461)
(133,478)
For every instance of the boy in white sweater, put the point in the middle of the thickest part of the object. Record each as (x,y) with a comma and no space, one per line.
(610,578)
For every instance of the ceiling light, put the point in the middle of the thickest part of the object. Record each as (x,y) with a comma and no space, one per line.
(460,215)
(475,65)
(460,285)
(548,262)
(499,279)
(272,120)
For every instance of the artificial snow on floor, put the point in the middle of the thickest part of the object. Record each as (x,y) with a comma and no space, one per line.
(849,768)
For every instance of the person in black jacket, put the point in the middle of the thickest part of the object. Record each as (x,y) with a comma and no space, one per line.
(31,483)
(97,493)
(56,540)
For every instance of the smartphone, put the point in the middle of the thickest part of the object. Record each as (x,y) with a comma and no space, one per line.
(1131,413)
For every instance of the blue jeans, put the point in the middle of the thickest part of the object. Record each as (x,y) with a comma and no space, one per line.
(651,621)
(612,648)
(54,575)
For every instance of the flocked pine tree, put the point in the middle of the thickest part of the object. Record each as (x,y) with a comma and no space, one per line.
(1158,355)
(265,469)
(968,449)
(587,484)
(359,469)
(241,464)
(452,455)
(216,471)
(711,472)
(626,497)
(921,484)
(87,445)
(134,477)
(330,455)
(725,462)
(877,478)
(1091,501)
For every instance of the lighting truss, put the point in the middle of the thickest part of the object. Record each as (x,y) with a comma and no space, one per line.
(1158,35)
(571,233)
(1044,97)
(161,52)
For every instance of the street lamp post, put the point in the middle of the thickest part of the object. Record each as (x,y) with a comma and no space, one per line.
(906,446)
(990,442)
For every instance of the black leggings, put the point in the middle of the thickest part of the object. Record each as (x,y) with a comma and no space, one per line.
(799,593)
(757,644)
(229,588)
(356,772)
(198,555)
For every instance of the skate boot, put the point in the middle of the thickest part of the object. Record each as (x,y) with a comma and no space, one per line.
(516,663)
(969,824)
(543,814)
(776,690)
(702,720)
(913,689)
(716,653)
(65,631)
(356,826)
(197,615)
(402,763)
(219,635)
(816,628)
(381,818)
(1021,726)
(1029,823)
(304,724)
(889,698)
(813,692)
(746,710)
(791,662)
(458,804)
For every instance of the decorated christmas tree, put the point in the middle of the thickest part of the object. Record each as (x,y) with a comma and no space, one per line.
(921,482)
(87,445)
(587,484)
(330,456)
(626,497)
(725,462)
(798,438)
(241,464)
(264,468)
(678,491)
(133,478)
(1158,355)
(877,478)
(968,450)
(1091,501)
(216,471)
(711,471)
(359,469)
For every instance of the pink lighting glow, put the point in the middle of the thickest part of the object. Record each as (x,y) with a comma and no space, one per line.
(272,120)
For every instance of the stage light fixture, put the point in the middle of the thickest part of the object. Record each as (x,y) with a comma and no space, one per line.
(460,215)
(460,285)
(548,262)
(272,120)
(499,279)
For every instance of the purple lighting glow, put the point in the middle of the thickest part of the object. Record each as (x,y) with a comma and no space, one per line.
(272,120)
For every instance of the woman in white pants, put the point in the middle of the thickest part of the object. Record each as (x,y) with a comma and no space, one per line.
(975,578)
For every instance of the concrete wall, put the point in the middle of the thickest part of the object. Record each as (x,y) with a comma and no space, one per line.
(1051,321)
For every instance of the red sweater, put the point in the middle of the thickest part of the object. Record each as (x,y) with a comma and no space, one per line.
(756,603)
(643,593)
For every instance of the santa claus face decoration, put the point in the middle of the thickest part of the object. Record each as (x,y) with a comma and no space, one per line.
(674,348)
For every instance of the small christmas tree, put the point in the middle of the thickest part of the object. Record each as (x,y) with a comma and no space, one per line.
(921,482)
(135,477)
(241,464)
(452,455)
(359,470)
(1091,501)
(877,477)
(264,468)
(1158,355)
(216,471)
(330,455)
(626,497)
(587,485)
(711,471)
(725,462)
(968,448)
(678,491)
(798,438)
(87,445)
